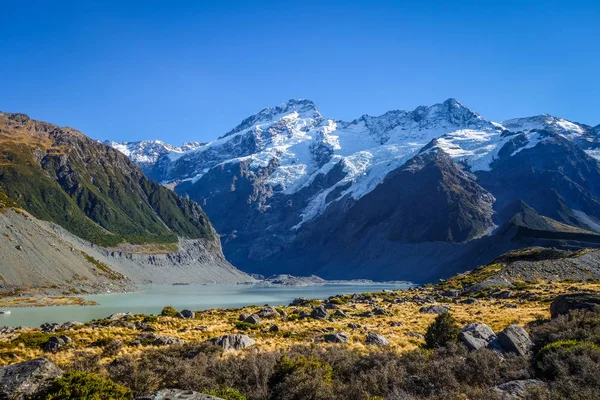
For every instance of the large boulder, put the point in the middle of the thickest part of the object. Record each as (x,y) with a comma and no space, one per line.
(177,394)
(477,336)
(515,339)
(233,342)
(433,309)
(188,314)
(575,301)
(253,319)
(268,312)
(336,338)
(377,339)
(319,313)
(22,380)
(514,390)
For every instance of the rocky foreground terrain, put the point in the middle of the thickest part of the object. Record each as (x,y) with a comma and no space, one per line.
(465,337)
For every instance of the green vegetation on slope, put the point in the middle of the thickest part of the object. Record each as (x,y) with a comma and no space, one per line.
(96,193)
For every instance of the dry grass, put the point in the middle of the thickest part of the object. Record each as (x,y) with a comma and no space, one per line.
(497,313)
(45,301)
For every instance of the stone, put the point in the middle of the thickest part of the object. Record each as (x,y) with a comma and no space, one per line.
(396,323)
(336,338)
(380,311)
(504,294)
(354,326)
(188,314)
(22,380)
(451,293)
(243,317)
(564,303)
(415,335)
(233,342)
(470,300)
(515,339)
(70,325)
(49,327)
(178,394)
(433,309)
(377,339)
(319,313)
(118,316)
(476,336)
(299,301)
(166,341)
(339,313)
(268,312)
(274,328)
(514,390)
(54,344)
(366,314)
(253,319)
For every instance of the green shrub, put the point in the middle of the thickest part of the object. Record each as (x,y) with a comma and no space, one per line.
(302,377)
(442,331)
(84,386)
(168,311)
(35,339)
(225,393)
(246,326)
(150,318)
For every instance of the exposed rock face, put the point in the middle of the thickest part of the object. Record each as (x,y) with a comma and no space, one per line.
(21,380)
(515,390)
(515,339)
(233,342)
(377,339)
(575,301)
(477,336)
(177,394)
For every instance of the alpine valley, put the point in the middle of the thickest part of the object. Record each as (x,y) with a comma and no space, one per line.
(415,195)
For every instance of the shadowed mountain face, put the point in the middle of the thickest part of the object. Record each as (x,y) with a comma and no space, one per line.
(405,195)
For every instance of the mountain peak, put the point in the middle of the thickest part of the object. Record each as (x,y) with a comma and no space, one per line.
(302,107)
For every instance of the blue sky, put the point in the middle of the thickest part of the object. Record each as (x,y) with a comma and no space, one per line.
(180,71)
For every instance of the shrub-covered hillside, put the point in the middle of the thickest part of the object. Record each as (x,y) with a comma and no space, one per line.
(95,192)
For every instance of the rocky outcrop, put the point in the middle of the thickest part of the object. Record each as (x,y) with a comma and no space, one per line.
(22,380)
(233,342)
(515,390)
(337,337)
(433,309)
(477,336)
(565,303)
(376,339)
(515,339)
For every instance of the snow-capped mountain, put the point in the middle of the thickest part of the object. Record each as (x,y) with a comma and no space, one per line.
(146,152)
(288,179)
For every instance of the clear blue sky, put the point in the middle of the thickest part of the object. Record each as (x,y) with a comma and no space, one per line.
(177,70)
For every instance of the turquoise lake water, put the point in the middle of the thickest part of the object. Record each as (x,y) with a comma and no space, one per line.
(152,298)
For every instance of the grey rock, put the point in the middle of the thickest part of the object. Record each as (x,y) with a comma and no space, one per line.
(54,344)
(243,317)
(354,326)
(470,300)
(451,293)
(330,306)
(515,339)
(377,339)
(338,337)
(274,328)
(433,309)
(576,301)
(504,294)
(188,314)
(415,335)
(319,313)
(380,311)
(298,301)
(22,380)
(49,327)
(477,336)
(233,342)
(514,390)
(366,314)
(177,394)
(339,313)
(118,316)
(253,319)
(166,341)
(268,312)
(396,323)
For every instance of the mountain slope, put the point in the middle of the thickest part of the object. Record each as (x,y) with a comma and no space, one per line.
(98,195)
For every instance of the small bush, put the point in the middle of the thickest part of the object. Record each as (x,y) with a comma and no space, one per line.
(150,318)
(168,311)
(442,331)
(246,326)
(85,386)
(225,393)
(35,339)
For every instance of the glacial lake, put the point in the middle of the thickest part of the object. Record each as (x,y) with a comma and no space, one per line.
(152,298)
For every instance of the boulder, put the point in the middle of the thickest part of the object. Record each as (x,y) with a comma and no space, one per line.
(268,312)
(336,338)
(233,342)
(470,300)
(274,328)
(339,313)
(433,309)
(177,394)
(49,327)
(366,314)
(477,336)
(166,341)
(22,380)
(298,301)
(118,316)
(330,306)
(380,311)
(253,319)
(243,317)
(514,390)
(377,339)
(515,339)
(451,293)
(319,313)
(54,344)
(354,326)
(188,314)
(415,335)
(576,301)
